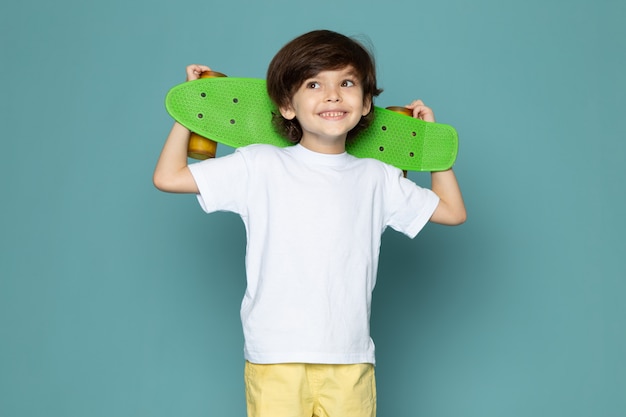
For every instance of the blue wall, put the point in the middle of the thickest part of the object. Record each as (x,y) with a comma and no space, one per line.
(120,301)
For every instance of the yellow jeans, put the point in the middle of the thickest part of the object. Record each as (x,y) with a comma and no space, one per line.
(310,390)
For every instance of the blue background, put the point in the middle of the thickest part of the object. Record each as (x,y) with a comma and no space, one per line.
(117,300)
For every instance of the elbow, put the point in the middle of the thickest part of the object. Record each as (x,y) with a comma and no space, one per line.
(174,182)
(460,218)
(160,182)
(449,217)
(456,220)
(157,181)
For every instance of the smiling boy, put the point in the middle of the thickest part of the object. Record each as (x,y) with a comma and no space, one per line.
(314,216)
(327,107)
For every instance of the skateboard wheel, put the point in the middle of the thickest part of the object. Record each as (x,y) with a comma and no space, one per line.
(200,147)
(401,110)
(212,74)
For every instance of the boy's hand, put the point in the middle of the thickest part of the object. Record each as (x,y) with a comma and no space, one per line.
(171,173)
(451,208)
(194,71)
(421,111)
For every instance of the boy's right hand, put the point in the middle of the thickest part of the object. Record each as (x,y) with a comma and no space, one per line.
(194,71)
(171,173)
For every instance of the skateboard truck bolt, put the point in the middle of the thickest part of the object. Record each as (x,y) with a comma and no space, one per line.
(406,112)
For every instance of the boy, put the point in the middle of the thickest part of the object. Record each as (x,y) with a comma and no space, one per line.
(314,217)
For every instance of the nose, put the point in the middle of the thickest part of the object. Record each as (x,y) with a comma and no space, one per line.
(333,95)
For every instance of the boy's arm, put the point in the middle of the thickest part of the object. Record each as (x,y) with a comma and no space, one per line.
(171,173)
(451,209)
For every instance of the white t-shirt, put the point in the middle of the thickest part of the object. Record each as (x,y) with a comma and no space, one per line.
(313,224)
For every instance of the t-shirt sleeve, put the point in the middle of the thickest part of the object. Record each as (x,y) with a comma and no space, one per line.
(222,183)
(410,206)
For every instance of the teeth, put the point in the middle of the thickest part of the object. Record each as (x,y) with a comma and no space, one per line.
(332,114)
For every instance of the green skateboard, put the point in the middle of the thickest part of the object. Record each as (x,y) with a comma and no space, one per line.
(238,112)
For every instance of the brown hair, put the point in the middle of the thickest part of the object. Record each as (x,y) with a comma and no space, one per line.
(308,55)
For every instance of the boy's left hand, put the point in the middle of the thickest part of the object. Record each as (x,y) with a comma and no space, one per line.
(451,208)
(421,111)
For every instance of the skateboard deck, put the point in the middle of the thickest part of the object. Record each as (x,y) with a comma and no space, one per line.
(238,112)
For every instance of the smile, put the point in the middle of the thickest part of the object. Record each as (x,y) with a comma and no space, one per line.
(332,114)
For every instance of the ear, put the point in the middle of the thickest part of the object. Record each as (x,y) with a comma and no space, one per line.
(367,106)
(287,112)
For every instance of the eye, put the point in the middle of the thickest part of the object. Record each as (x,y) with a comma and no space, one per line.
(347,83)
(312,84)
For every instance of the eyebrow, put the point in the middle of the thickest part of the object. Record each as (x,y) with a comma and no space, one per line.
(351,73)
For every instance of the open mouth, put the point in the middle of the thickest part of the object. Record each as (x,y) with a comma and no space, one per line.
(332,114)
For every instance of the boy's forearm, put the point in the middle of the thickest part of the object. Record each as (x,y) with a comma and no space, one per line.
(175,148)
(171,173)
(451,209)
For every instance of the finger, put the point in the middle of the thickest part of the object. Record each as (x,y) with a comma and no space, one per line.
(414,104)
(195,70)
(424,113)
(421,111)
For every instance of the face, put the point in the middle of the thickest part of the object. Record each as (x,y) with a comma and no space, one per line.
(328,106)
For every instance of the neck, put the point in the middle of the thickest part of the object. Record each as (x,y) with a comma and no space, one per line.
(335,146)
